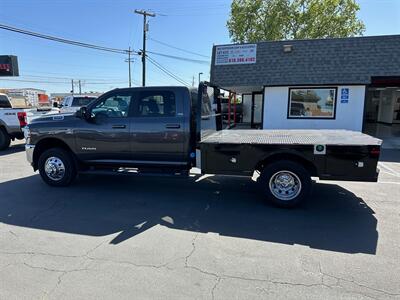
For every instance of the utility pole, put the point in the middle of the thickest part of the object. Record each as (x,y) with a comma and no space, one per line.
(200,75)
(80,87)
(193,81)
(145,29)
(129,61)
(129,64)
(72,85)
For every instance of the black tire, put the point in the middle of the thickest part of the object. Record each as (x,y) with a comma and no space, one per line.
(66,160)
(5,139)
(296,194)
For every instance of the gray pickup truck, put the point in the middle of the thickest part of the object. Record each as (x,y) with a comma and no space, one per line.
(169,130)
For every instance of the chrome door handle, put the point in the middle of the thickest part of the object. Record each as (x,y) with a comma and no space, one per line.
(118,126)
(173,126)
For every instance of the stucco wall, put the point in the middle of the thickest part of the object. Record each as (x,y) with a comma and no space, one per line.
(348,115)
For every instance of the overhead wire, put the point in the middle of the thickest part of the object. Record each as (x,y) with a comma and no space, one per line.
(107,49)
(57,82)
(197,61)
(166,71)
(177,48)
(62,40)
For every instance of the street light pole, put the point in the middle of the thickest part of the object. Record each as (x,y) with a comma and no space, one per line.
(145,14)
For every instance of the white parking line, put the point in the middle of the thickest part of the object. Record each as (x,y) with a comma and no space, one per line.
(388,182)
(392,172)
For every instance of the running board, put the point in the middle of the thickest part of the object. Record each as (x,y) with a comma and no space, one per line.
(137,172)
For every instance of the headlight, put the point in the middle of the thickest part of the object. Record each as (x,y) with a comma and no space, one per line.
(27,132)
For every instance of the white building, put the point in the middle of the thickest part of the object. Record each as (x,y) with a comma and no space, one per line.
(342,83)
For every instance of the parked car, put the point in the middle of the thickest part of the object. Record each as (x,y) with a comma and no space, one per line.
(13,119)
(71,104)
(169,130)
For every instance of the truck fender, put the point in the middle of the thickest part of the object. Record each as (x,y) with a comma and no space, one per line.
(47,143)
(287,154)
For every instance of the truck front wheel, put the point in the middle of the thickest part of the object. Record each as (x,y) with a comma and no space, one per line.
(285,183)
(5,139)
(56,167)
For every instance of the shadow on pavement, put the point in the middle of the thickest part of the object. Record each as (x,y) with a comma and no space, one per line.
(13,149)
(390,155)
(334,219)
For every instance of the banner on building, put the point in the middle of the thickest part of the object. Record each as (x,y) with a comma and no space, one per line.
(236,54)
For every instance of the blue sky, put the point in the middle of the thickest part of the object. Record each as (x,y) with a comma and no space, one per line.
(191,25)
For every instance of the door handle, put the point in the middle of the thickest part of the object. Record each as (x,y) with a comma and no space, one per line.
(118,126)
(176,126)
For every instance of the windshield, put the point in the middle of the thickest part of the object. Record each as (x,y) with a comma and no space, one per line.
(82,101)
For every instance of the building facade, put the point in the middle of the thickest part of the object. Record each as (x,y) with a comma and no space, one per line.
(341,83)
(31,96)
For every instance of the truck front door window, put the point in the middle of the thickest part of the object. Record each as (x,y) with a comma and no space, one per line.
(116,106)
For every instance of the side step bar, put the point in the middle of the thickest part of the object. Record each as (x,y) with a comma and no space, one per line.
(137,172)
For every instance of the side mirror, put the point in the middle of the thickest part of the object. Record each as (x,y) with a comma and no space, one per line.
(82,113)
(55,104)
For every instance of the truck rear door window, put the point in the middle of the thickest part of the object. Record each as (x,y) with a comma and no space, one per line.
(156,104)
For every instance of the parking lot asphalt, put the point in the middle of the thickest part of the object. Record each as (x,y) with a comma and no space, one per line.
(210,237)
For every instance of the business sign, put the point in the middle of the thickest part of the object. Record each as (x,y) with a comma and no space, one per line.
(235,54)
(8,65)
(344,95)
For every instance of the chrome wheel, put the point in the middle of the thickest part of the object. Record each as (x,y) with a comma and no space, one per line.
(285,185)
(54,168)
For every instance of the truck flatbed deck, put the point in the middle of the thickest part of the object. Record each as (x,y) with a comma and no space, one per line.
(292,137)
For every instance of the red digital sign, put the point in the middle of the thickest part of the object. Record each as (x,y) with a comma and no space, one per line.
(8,65)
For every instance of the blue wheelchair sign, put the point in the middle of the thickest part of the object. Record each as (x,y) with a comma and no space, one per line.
(344,96)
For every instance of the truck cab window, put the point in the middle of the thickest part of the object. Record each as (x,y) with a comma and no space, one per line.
(81,101)
(115,106)
(4,102)
(156,104)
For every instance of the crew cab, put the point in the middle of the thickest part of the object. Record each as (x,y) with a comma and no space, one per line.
(169,130)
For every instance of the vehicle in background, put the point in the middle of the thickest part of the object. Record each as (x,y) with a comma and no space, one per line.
(71,104)
(169,130)
(15,117)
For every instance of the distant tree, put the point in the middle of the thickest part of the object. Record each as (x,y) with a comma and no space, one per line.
(258,20)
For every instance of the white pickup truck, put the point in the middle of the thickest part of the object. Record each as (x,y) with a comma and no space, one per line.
(12,120)
(71,104)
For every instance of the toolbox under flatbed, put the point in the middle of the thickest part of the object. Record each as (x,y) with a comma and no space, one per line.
(331,154)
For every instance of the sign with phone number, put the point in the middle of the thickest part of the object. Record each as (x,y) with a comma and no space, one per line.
(236,54)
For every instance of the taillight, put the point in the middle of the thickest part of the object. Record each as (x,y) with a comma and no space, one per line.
(22,119)
(375,151)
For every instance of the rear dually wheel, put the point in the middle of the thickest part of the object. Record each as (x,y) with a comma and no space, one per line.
(285,183)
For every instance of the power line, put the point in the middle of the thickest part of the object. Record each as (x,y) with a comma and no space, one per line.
(197,61)
(62,40)
(57,82)
(177,48)
(166,71)
(68,78)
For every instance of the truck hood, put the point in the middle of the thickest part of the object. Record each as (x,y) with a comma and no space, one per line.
(54,118)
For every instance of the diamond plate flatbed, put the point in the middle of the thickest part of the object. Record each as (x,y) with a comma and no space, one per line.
(291,137)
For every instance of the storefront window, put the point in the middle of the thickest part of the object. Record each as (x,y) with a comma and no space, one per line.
(312,103)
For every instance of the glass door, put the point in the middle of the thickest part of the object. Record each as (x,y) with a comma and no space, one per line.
(256,112)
